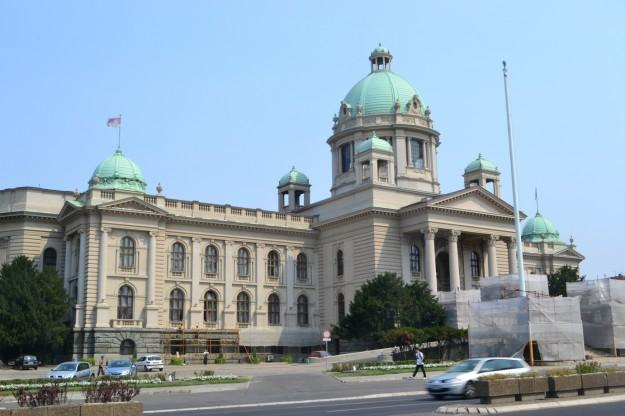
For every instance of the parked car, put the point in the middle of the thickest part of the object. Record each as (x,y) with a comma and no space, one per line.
(149,363)
(24,362)
(72,370)
(119,368)
(460,379)
(319,354)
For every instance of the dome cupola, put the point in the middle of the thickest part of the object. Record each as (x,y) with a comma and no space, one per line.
(294,177)
(540,230)
(118,172)
(374,143)
(481,164)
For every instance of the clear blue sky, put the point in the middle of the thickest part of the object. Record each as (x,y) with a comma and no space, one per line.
(219,99)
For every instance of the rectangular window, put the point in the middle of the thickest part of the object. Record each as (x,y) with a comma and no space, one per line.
(416,153)
(346,157)
(365,170)
(382,170)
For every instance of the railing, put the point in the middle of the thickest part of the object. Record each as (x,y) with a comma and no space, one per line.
(150,199)
(210,325)
(126,323)
(107,194)
(176,324)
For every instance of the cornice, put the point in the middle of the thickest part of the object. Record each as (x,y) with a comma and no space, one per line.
(28,215)
(241,226)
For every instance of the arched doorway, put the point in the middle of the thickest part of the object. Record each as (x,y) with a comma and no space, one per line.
(442,272)
(127,347)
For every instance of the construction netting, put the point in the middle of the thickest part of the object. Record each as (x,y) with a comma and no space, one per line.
(293,337)
(602,304)
(507,286)
(456,305)
(503,323)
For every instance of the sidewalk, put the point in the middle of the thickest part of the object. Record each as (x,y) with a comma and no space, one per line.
(386,377)
(521,407)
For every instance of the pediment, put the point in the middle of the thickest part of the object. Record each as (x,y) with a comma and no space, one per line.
(132,205)
(475,200)
(570,252)
(68,209)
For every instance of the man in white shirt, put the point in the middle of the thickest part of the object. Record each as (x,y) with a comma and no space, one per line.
(419,357)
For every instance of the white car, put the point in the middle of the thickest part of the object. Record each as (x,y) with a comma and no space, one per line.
(460,379)
(149,363)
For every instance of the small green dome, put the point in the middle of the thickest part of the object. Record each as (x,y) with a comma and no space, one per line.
(379,91)
(539,229)
(380,49)
(481,164)
(294,177)
(118,172)
(375,143)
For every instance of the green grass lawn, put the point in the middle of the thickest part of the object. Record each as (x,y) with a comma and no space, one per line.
(379,372)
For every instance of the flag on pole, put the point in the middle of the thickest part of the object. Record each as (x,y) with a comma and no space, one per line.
(114,121)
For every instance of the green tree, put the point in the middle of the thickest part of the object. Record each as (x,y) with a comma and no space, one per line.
(557,281)
(384,303)
(32,306)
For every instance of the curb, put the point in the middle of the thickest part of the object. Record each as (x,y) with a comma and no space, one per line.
(539,405)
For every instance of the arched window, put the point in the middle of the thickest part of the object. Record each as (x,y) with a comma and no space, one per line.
(243,262)
(302,310)
(210,307)
(127,347)
(475,264)
(274,309)
(210,265)
(127,253)
(176,305)
(339,263)
(302,267)
(243,308)
(273,264)
(177,258)
(125,300)
(415,259)
(341,306)
(49,258)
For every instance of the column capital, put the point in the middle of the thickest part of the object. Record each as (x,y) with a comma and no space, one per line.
(229,243)
(511,242)
(196,239)
(105,229)
(153,233)
(492,239)
(429,232)
(453,236)
(260,245)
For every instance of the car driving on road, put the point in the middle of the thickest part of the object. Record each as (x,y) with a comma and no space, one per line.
(120,368)
(460,379)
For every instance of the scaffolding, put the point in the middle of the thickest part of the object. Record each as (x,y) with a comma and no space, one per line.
(192,343)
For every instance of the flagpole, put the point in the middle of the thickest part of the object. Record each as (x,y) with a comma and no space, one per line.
(119,133)
(515,196)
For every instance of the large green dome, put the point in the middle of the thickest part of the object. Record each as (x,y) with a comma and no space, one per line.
(382,90)
(539,229)
(118,172)
(294,177)
(378,92)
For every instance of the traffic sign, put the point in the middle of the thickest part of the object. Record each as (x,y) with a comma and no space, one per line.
(327,339)
(326,334)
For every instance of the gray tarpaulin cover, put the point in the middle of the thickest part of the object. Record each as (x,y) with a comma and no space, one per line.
(602,304)
(503,326)
(456,305)
(294,337)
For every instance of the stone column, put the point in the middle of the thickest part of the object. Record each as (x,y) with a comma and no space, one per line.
(454,267)
(80,302)
(151,309)
(492,255)
(406,273)
(430,259)
(290,283)
(512,267)
(68,263)
(261,272)
(102,309)
(195,315)
(229,320)
(292,204)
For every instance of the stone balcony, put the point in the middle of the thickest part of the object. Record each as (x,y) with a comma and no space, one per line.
(126,323)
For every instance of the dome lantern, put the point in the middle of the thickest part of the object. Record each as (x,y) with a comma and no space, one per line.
(380,59)
(292,188)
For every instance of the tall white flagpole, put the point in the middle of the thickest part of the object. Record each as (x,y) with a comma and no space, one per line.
(119,133)
(515,196)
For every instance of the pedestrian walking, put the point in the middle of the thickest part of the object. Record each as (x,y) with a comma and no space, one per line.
(419,360)
(205,359)
(101,366)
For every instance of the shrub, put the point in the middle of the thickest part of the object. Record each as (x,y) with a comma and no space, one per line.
(286,359)
(89,360)
(254,359)
(220,359)
(495,377)
(555,372)
(204,373)
(588,367)
(110,391)
(45,396)
(176,361)
(529,374)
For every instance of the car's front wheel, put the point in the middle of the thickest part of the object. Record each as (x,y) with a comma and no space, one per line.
(438,396)
(469,390)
